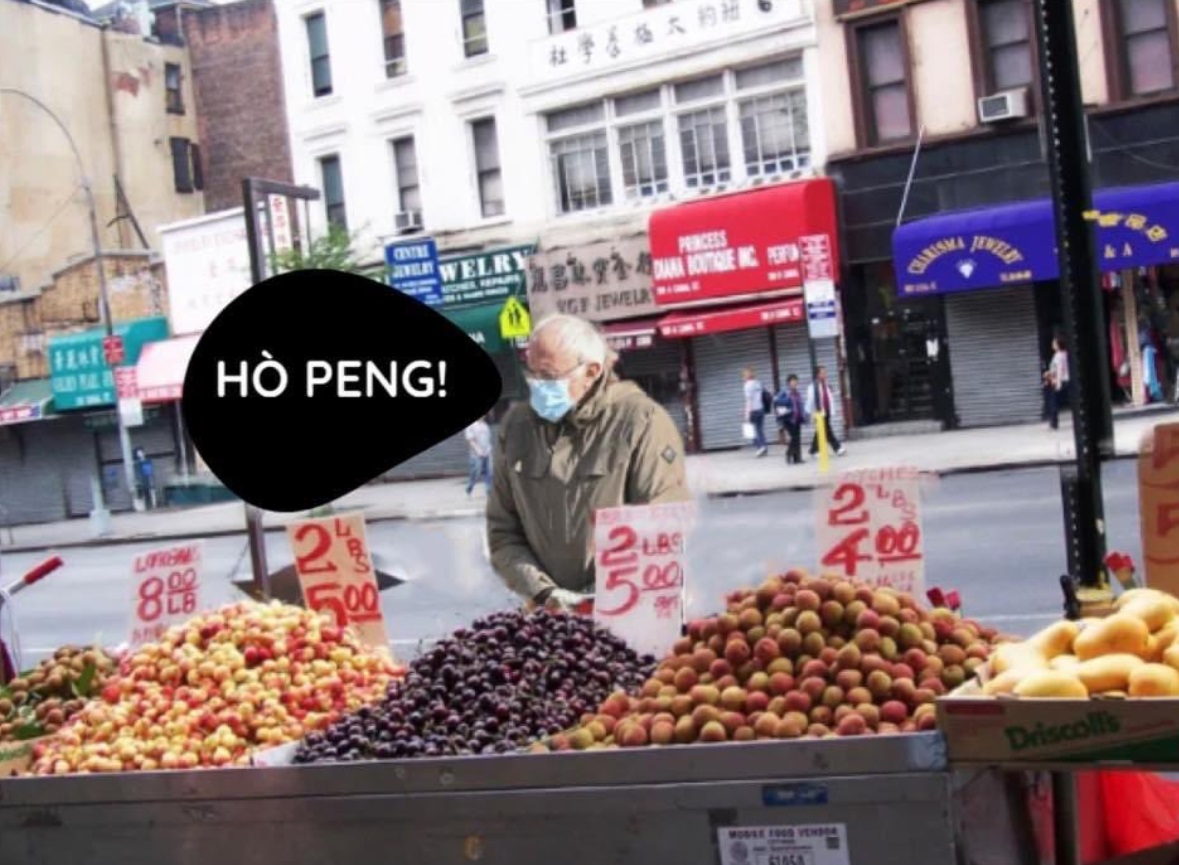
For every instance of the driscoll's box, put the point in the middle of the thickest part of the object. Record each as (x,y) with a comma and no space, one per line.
(1014,730)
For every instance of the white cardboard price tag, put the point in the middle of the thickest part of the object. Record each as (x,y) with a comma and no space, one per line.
(869,528)
(641,569)
(167,587)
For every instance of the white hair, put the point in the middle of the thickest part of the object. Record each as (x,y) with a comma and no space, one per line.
(575,336)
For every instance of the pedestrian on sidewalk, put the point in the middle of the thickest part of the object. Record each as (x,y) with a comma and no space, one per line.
(757,404)
(1057,379)
(791,413)
(585,441)
(478,436)
(819,398)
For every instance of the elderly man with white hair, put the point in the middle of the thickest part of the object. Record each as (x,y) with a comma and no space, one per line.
(586,440)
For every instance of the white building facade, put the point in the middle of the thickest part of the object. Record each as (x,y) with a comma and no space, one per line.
(558,128)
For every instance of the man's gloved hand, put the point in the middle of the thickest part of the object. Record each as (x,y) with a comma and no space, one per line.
(563,599)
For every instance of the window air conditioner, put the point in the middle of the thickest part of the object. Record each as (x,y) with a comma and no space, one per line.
(408,221)
(1008,105)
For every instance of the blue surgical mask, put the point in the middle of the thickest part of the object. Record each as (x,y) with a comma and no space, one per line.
(550,398)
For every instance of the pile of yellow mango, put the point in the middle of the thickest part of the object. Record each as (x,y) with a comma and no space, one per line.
(1133,652)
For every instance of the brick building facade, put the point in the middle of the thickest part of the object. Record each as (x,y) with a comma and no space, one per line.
(237,82)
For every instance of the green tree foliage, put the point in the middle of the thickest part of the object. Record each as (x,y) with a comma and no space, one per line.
(332,251)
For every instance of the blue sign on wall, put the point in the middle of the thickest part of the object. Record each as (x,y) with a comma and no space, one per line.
(413,270)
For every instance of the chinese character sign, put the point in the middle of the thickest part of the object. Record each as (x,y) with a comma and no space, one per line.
(643,37)
(599,281)
(640,566)
(1158,506)
(869,528)
(208,264)
(336,574)
(167,589)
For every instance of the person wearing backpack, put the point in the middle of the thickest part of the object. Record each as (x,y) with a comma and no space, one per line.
(758,403)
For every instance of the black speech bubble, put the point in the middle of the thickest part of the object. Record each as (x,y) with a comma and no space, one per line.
(290,452)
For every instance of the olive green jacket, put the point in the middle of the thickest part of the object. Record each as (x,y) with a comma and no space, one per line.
(619,447)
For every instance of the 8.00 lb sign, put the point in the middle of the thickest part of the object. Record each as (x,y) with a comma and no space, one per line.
(167,589)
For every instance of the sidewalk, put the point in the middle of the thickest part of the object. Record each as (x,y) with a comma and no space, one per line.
(728,473)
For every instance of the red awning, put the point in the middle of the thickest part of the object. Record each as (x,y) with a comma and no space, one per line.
(679,325)
(161,368)
(768,239)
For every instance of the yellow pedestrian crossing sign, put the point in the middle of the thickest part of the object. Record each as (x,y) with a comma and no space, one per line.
(514,320)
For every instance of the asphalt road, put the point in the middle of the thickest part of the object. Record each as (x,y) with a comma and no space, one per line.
(996,537)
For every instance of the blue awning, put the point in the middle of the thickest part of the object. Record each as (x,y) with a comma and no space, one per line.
(1137,226)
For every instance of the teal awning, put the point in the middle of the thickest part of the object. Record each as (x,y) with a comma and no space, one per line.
(78,369)
(26,401)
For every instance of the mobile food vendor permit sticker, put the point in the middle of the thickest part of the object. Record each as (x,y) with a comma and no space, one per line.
(640,570)
(166,589)
(869,528)
(336,574)
(815,844)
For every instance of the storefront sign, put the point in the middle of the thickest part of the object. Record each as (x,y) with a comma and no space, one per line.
(208,265)
(481,324)
(822,308)
(683,27)
(640,565)
(496,274)
(413,270)
(630,336)
(600,281)
(19,414)
(80,375)
(336,574)
(1158,506)
(869,528)
(167,589)
(745,243)
(680,325)
(796,844)
(1016,243)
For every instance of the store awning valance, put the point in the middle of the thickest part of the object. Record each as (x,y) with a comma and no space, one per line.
(26,401)
(162,367)
(481,324)
(709,320)
(630,335)
(1136,226)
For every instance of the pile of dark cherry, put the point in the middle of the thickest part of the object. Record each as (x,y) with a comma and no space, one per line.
(510,679)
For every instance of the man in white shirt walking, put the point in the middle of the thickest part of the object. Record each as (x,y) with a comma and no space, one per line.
(755,410)
(820,390)
(478,436)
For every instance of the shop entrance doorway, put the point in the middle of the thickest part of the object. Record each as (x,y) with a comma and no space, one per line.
(899,354)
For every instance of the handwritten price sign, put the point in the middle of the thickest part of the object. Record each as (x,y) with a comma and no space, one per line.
(639,566)
(1158,506)
(336,574)
(166,589)
(869,529)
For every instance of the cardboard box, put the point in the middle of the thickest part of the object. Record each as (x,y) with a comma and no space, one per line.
(1038,732)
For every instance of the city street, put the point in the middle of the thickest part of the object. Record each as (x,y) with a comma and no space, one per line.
(997,537)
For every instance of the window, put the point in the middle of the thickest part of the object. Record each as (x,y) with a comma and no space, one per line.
(393,29)
(884,98)
(644,159)
(333,191)
(581,167)
(405,168)
(321,63)
(647,127)
(1144,56)
(198,170)
(704,142)
(173,95)
(181,164)
(1005,44)
(474,28)
(562,16)
(490,178)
